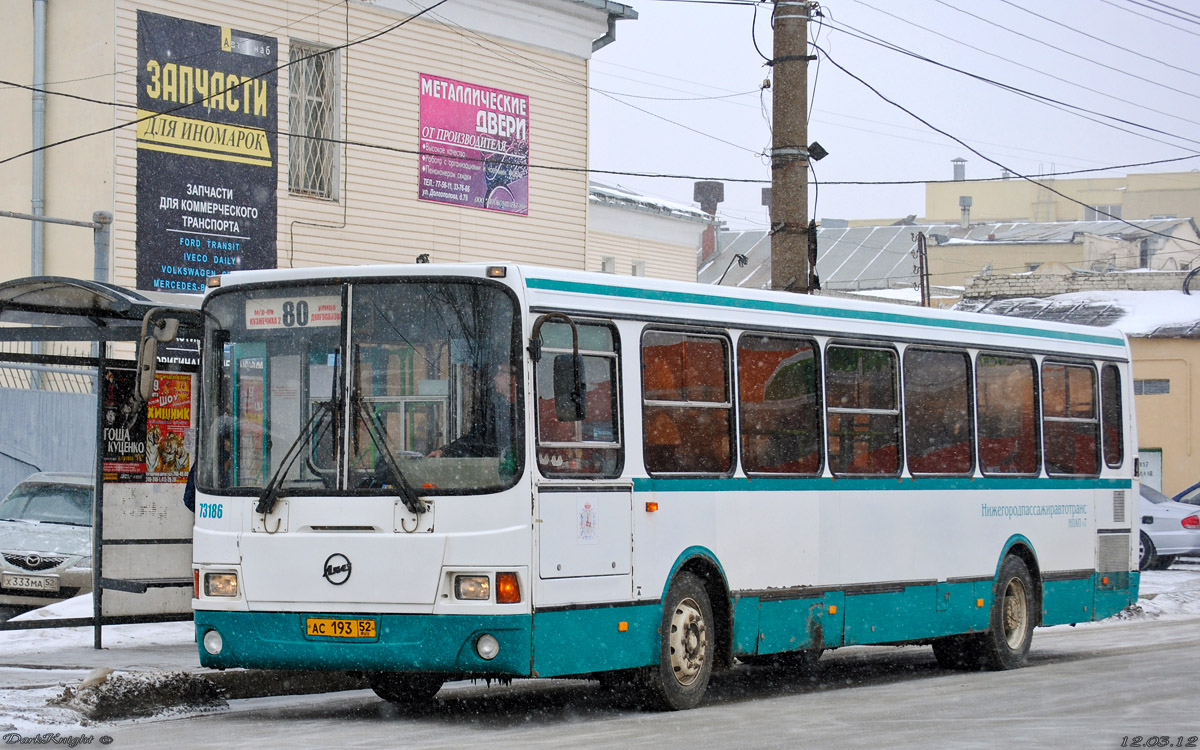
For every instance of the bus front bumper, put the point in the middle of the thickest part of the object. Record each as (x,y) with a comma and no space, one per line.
(449,644)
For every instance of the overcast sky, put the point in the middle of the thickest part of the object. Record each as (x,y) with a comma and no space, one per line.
(1077,63)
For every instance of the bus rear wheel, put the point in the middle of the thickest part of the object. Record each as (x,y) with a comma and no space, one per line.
(686,652)
(1006,644)
(405,688)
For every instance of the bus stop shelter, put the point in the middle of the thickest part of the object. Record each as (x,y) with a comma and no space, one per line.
(141,534)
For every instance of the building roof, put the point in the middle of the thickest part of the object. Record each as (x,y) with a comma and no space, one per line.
(610,195)
(1152,314)
(881,257)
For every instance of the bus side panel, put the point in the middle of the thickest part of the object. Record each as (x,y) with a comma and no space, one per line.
(1067,601)
(791,625)
(1117,594)
(596,639)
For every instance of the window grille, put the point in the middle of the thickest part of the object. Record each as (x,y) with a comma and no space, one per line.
(313,121)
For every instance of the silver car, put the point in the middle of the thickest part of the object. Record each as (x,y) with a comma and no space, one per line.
(46,540)
(1169,529)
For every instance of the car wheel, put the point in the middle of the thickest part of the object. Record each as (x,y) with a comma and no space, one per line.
(1163,562)
(1146,554)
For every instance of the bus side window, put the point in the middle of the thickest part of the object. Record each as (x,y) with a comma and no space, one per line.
(780,396)
(937,412)
(590,447)
(862,410)
(1111,416)
(687,408)
(1006,396)
(1071,420)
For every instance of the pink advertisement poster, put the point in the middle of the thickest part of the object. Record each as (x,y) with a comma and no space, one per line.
(474,146)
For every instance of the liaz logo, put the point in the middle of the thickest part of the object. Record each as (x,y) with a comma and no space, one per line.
(337,569)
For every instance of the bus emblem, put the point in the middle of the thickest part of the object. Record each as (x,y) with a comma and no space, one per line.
(337,569)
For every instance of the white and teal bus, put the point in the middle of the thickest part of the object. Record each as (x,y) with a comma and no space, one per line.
(430,472)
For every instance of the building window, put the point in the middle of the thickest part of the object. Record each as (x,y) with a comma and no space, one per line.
(313,114)
(1151,387)
(1102,212)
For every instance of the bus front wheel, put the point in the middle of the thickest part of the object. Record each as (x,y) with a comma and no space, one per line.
(686,653)
(405,688)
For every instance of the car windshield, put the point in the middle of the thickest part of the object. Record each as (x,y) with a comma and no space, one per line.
(1154,495)
(48,503)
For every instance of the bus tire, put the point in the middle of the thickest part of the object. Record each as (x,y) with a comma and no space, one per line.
(1006,643)
(405,688)
(686,650)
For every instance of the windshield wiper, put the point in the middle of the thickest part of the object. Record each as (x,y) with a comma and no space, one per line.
(408,495)
(266,502)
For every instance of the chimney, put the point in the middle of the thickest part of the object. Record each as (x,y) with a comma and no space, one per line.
(708,194)
(960,169)
(964,204)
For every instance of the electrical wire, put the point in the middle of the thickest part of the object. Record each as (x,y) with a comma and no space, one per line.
(1114,45)
(241,82)
(975,151)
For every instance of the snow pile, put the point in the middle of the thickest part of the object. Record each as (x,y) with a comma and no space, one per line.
(107,696)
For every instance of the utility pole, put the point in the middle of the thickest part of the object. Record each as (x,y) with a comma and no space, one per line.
(789,155)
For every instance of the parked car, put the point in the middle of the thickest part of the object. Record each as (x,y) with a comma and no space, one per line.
(46,539)
(1169,529)
(1191,495)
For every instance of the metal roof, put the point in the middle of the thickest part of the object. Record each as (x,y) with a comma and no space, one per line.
(1081,312)
(880,257)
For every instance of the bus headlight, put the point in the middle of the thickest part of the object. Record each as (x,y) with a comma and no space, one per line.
(472,587)
(220,584)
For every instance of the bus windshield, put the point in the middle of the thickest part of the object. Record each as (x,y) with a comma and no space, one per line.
(362,387)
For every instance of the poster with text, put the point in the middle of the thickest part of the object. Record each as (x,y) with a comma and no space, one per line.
(474,146)
(206,152)
(168,420)
(124,430)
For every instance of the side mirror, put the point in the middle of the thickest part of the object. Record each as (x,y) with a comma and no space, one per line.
(154,330)
(147,365)
(569,401)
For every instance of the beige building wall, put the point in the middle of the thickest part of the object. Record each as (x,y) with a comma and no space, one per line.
(1141,196)
(665,246)
(91,52)
(1169,422)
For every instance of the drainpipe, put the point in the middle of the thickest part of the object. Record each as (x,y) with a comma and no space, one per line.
(38,198)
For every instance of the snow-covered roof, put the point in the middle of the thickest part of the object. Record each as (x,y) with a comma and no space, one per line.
(619,196)
(1151,314)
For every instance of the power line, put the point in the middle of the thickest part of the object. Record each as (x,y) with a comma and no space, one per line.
(119,126)
(1100,39)
(978,153)
(1068,52)
(1021,65)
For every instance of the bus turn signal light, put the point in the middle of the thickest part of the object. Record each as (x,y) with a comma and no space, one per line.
(651,506)
(508,590)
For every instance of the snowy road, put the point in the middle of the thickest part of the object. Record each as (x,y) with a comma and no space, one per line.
(1094,686)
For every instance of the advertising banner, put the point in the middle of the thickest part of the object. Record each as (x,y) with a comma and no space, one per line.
(474,146)
(152,441)
(206,152)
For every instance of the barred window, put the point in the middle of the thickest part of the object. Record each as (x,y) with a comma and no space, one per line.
(313,115)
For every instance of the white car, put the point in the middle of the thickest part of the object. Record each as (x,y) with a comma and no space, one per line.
(1169,529)
(46,539)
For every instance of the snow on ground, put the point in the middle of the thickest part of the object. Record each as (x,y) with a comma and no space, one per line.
(27,696)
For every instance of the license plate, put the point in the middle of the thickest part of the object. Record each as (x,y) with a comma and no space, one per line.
(329,627)
(29,583)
